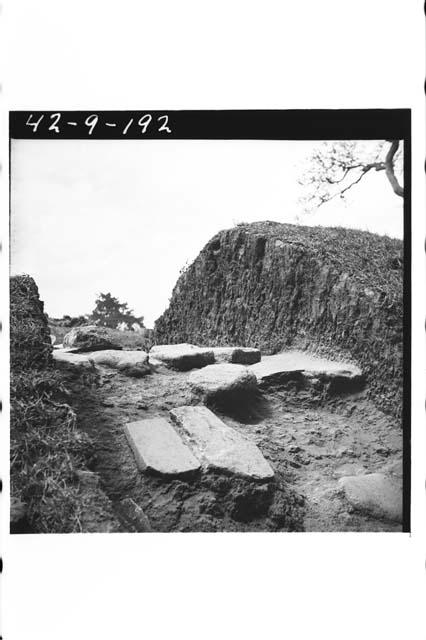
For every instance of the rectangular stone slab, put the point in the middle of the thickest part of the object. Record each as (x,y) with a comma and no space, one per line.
(158,448)
(219,446)
(76,359)
(303,362)
(182,357)
(237,355)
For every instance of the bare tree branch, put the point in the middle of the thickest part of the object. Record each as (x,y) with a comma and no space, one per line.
(341,193)
(389,168)
(337,167)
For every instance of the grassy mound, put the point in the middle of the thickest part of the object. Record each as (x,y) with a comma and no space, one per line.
(46,449)
(333,291)
(30,344)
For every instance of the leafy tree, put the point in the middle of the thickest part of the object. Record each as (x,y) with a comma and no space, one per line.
(77,321)
(337,166)
(110,312)
(68,321)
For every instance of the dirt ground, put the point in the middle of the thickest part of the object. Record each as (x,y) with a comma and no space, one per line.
(310,443)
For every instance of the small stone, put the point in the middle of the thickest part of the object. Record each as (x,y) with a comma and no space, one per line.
(294,464)
(133,516)
(18,510)
(376,494)
(87,478)
(156,365)
(383,451)
(294,448)
(344,451)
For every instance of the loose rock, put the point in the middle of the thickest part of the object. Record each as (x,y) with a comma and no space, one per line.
(18,511)
(133,516)
(182,357)
(219,446)
(219,379)
(90,338)
(375,493)
(131,363)
(87,478)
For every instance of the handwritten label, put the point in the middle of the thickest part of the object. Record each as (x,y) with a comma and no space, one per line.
(57,124)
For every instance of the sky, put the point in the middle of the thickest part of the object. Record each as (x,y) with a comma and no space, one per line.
(124,216)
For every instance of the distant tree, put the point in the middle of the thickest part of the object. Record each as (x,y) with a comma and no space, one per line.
(110,312)
(68,321)
(337,166)
(78,321)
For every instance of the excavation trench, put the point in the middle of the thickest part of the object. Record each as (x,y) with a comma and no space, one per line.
(311,436)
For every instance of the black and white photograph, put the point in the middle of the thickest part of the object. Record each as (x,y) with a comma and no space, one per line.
(209,335)
(212,260)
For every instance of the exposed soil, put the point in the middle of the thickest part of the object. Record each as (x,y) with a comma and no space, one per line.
(309,441)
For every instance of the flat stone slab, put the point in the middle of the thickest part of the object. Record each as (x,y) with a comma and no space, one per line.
(158,448)
(237,355)
(376,494)
(182,357)
(300,361)
(75,359)
(132,363)
(219,379)
(220,447)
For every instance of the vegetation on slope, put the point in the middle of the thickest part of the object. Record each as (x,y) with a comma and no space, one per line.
(46,449)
